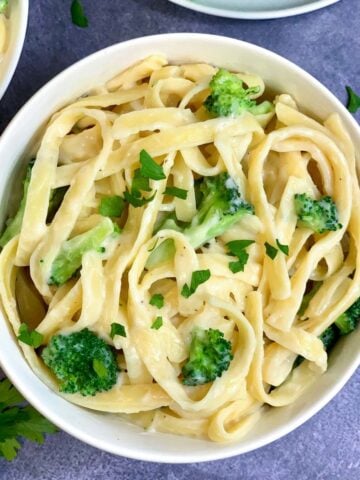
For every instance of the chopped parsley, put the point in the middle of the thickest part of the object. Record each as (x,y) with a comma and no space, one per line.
(353,103)
(197,278)
(176,192)
(111,206)
(271,251)
(283,248)
(237,249)
(149,168)
(117,329)
(30,337)
(17,419)
(158,323)
(78,14)
(157,300)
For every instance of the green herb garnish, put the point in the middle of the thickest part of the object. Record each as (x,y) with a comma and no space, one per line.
(18,420)
(78,16)
(176,192)
(237,249)
(353,103)
(158,323)
(117,329)
(157,300)
(283,248)
(149,168)
(30,337)
(271,251)
(111,206)
(197,278)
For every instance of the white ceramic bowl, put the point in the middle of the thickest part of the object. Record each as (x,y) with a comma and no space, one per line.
(109,432)
(17,28)
(254,9)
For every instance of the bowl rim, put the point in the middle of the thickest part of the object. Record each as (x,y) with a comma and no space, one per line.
(14,54)
(121,449)
(255,15)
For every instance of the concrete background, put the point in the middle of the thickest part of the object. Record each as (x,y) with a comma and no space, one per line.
(326,44)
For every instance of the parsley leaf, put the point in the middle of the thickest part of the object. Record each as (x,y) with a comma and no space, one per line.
(283,248)
(149,168)
(237,248)
(157,300)
(197,278)
(135,201)
(30,337)
(353,103)
(239,265)
(176,192)
(18,421)
(158,323)
(271,251)
(140,183)
(78,15)
(117,329)
(111,206)
(100,368)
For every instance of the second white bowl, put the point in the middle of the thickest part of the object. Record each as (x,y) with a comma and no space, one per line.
(18,18)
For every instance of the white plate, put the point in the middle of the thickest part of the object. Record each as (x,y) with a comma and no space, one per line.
(18,16)
(254,9)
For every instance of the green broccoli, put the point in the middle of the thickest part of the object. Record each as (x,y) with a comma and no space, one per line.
(13,225)
(348,321)
(3,5)
(229,97)
(329,337)
(210,355)
(318,215)
(345,324)
(82,362)
(220,207)
(69,259)
(308,297)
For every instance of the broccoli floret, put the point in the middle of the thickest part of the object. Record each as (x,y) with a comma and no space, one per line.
(220,207)
(348,321)
(308,297)
(329,337)
(69,259)
(13,225)
(318,215)
(3,5)
(82,362)
(210,355)
(229,97)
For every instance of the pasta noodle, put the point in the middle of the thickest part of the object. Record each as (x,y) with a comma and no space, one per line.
(91,149)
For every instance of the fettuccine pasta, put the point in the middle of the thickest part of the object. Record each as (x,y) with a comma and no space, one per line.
(132,162)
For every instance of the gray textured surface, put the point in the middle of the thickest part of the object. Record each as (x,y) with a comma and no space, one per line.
(325,43)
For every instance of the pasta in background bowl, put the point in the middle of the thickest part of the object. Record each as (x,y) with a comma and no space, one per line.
(13,23)
(131,134)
